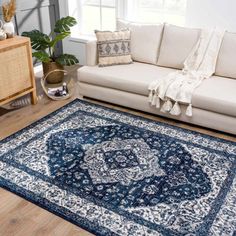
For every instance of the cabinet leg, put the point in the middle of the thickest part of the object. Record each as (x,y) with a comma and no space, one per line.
(34,98)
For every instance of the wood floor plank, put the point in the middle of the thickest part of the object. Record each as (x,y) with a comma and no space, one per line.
(19,217)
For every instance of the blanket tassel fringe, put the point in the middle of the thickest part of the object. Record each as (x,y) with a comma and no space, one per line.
(150,97)
(158,102)
(175,111)
(189,110)
(153,103)
(153,99)
(167,106)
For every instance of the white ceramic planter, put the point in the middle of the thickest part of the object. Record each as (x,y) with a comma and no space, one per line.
(9,29)
(3,35)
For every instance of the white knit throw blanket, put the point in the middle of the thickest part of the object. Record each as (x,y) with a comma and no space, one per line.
(178,87)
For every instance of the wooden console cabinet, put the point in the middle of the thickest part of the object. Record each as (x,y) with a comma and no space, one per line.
(16,70)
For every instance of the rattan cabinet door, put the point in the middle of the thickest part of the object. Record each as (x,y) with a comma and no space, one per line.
(15,71)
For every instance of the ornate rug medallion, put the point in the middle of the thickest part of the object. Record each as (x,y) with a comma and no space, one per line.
(117,174)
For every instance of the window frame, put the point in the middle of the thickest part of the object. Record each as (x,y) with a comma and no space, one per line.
(123,9)
(79,15)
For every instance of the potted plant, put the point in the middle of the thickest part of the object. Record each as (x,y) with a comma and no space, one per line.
(44,46)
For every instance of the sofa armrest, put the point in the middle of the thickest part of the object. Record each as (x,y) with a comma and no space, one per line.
(91,53)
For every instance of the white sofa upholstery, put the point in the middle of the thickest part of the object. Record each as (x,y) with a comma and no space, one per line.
(173,51)
(226,62)
(140,34)
(214,101)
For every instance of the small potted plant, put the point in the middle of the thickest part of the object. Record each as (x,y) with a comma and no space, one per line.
(44,46)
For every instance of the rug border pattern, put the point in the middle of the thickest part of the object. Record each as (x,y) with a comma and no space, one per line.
(223,193)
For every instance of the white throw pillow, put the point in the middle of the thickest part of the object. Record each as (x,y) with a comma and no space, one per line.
(145,40)
(226,63)
(177,43)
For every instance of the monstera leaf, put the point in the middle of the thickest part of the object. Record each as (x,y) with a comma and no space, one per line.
(42,56)
(67,60)
(45,45)
(59,37)
(39,41)
(64,24)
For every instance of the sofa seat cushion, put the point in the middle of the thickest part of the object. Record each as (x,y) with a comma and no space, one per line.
(134,78)
(217,94)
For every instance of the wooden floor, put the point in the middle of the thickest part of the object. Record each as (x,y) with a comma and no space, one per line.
(19,217)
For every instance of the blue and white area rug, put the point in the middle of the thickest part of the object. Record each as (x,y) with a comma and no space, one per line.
(113,173)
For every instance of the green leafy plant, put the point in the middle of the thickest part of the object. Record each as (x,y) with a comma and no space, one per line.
(45,45)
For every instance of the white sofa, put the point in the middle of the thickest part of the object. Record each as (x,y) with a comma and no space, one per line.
(158,50)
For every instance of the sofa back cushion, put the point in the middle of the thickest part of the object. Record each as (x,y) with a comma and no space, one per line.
(226,63)
(122,24)
(177,43)
(145,40)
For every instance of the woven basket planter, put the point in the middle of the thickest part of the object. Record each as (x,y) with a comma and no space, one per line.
(65,78)
(57,75)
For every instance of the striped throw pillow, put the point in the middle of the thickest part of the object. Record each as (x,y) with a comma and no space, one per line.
(113,47)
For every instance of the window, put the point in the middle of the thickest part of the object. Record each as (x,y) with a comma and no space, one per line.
(102,14)
(93,14)
(157,11)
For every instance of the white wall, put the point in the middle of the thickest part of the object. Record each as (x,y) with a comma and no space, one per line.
(212,13)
